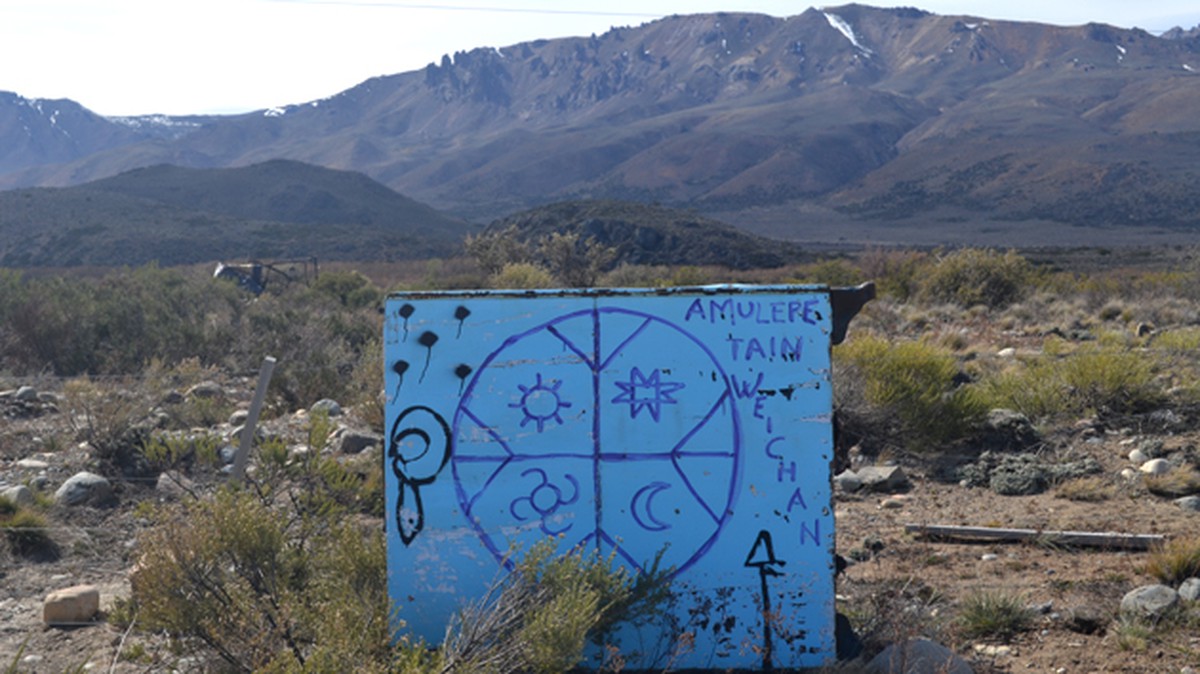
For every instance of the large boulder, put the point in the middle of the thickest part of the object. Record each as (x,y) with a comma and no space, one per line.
(918,656)
(1149,601)
(71,606)
(85,489)
(1007,431)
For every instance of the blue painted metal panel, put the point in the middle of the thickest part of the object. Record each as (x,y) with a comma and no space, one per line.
(691,422)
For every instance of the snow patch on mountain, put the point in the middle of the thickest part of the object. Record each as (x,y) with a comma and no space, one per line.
(845,29)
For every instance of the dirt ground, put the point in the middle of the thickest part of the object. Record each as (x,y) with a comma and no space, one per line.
(905,584)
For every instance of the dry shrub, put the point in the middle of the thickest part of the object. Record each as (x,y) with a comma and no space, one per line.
(539,617)
(1175,561)
(1182,481)
(1091,489)
(263,589)
(973,276)
(522,276)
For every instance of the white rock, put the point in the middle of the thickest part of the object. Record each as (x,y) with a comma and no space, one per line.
(1129,473)
(84,488)
(1190,589)
(918,656)
(33,464)
(1156,467)
(1137,457)
(72,605)
(26,393)
(1007,353)
(1149,601)
(20,494)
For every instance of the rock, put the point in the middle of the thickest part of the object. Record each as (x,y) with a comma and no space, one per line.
(1153,448)
(228,454)
(71,606)
(918,656)
(1189,503)
(893,502)
(328,406)
(173,398)
(206,389)
(1008,352)
(84,488)
(992,650)
(1144,329)
(1190,589)
(847,481)
(1149,601)
(33,464)
(1023,474)
(239,417)
(849,645)
(173,485)
(1087,620)
(1129,474)
(235,435)
(1156,467)
(26,394)
(989,557)
(1137,457)
(354,442)
(1007,431)
(883,478)
(20,494)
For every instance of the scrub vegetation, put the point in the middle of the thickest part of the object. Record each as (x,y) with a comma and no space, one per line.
(286,572)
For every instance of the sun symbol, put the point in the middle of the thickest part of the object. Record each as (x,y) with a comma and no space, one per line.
(541,403)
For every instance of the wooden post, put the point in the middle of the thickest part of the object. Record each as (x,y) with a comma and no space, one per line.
(1082,538)
(247,440)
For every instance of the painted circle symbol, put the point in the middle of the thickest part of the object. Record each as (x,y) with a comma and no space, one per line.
(612,428)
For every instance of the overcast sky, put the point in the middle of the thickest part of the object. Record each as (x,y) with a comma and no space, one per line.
(124,57)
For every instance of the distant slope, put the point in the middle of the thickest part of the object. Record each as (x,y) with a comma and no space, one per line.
(881,117)
(652,235)
(176,216)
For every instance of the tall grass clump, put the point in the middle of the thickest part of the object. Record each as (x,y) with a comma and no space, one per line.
(905,393)
(1175,561)
(974,276)
(996,615)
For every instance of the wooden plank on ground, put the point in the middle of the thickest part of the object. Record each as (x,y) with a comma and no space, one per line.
(1080,538)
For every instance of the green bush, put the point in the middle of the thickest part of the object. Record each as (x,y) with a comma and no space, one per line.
(25,531)
(522,276)
(540,617)
(903,393)
(263,588)
(973,276)
(1093,379)
(350,288)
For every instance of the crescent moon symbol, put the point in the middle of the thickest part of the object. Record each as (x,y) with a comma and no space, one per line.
(644,515)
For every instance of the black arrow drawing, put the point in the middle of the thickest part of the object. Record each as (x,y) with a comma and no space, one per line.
(762,557)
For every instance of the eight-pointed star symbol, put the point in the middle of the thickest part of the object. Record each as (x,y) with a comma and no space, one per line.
(646,392)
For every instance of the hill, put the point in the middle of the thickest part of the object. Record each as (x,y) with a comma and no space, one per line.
(881,120)
(175,215)
(651,235)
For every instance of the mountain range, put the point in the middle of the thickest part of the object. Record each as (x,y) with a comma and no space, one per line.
(850,123)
